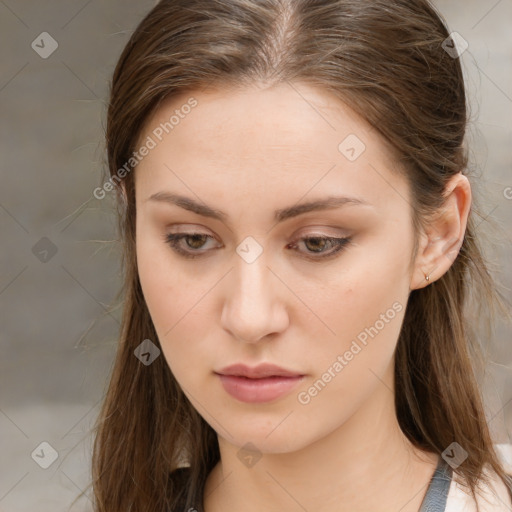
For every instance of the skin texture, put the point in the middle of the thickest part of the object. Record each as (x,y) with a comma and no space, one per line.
(249,152)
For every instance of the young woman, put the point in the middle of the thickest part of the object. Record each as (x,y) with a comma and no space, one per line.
(300,251)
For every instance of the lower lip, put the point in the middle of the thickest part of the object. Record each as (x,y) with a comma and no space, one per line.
(258,390)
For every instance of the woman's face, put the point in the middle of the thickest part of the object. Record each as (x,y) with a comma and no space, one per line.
(260,277)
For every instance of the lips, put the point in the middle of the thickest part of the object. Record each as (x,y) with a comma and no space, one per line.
(262,383)
(258,372)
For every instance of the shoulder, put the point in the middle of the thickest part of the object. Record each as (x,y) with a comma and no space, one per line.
(492,497)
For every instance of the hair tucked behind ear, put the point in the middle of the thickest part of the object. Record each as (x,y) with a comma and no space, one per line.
(385,59)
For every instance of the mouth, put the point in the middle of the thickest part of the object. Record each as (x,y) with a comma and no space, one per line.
(263,383)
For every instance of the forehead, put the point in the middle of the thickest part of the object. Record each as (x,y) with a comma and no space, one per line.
(287,138)
(298,114)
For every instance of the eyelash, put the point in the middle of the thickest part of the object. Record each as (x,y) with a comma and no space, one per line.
(173,239)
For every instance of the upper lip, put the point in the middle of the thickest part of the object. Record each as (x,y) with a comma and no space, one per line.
(258,372)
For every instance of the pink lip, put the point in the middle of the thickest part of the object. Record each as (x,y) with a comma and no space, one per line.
(262,383)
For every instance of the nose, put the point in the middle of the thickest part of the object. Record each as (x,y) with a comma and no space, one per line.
(254,305)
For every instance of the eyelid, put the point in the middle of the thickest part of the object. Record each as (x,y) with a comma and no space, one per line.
(338,242)
(323,231)
(295,237)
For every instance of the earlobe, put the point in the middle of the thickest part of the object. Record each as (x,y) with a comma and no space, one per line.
(444,234)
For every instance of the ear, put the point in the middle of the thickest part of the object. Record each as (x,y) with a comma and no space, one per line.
(442,238)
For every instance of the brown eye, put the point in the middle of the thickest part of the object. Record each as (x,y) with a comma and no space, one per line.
(317,245)
(193,243)
(197,241)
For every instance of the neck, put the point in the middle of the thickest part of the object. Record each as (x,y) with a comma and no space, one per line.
(365,464)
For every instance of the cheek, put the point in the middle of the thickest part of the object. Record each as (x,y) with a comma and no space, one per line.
(158,283)
(361,309)
(366,323)
(177,305)
(358,294)
(353,365)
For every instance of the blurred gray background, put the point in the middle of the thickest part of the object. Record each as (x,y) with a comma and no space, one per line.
(60,267)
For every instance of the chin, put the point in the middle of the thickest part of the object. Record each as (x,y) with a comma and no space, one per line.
(265,434)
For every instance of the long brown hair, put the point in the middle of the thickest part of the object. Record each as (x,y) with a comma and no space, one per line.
(387,60)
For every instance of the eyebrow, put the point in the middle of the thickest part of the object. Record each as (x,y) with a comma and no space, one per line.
(189,204)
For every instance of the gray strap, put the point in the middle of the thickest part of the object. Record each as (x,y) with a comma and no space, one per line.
(437,492)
